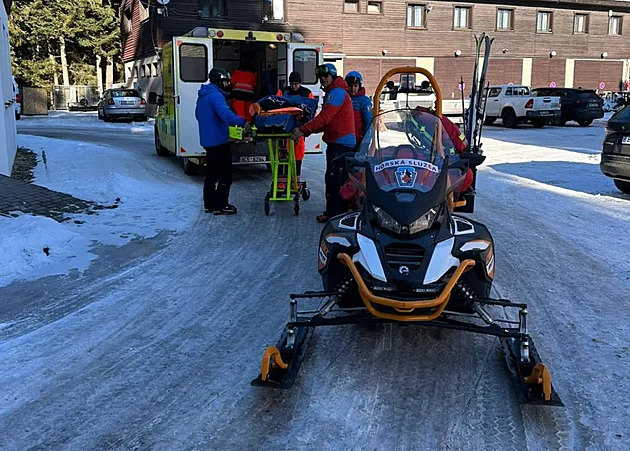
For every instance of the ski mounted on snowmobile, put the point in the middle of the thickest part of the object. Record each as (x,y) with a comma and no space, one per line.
(405,257)
(477,107)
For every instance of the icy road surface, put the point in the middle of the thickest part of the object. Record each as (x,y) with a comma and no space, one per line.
(154,346)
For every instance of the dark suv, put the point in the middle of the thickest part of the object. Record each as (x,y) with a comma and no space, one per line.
(580,105)
(615,162)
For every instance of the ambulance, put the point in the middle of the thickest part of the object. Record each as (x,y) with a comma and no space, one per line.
(186,62)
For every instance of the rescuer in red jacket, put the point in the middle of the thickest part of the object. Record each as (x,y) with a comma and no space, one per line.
(336,120)
(244,82)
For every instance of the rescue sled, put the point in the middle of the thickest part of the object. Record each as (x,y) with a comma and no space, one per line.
(406,256)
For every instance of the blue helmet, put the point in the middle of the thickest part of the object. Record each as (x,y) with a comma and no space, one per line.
(325,69)
(354,76)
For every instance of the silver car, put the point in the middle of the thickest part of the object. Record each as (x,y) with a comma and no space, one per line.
(122,103)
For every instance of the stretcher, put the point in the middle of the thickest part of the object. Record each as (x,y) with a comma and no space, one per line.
(285,185)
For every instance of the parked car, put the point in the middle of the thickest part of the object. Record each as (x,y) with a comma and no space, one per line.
(580,105)
(123,103)
(514,104)
(17,99)
(615,162)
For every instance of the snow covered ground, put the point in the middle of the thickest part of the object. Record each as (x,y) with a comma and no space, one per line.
(151,196)
(160,356)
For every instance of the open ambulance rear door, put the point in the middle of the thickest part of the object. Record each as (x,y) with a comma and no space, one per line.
(303,58)
(192,58)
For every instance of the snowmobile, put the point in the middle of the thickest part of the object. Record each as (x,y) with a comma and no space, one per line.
(406,256)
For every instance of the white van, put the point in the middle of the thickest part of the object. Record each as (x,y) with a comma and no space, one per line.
(186,62)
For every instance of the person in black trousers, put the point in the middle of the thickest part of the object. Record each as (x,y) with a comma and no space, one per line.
(214,118)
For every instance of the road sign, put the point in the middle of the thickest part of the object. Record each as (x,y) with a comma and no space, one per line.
(552,84)
(602,85)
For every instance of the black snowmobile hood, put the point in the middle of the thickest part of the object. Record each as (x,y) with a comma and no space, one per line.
(405,205)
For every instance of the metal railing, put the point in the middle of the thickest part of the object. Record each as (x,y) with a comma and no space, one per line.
(75,97)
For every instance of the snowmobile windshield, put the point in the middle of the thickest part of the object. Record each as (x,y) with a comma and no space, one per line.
(407,149)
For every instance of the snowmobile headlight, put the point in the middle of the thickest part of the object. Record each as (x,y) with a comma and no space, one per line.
(386,221)
(423,222)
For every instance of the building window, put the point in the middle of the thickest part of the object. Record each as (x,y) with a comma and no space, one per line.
(135,72)
(212,9)
(193,63)
(505,19)
(544,22)
(351,6)
(154,69)
(461,17)
(375,8)
(614,25)
(415,16)
(580,24)
(127,20)
(273,10)
(305,62)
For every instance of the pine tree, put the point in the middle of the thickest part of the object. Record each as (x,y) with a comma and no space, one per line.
(71,37)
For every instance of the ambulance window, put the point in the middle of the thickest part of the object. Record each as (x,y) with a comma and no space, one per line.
(305,62)
(193,63)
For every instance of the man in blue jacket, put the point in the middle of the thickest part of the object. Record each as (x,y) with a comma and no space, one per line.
(214,118)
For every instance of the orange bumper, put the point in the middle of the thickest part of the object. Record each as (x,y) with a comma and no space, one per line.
(406,308)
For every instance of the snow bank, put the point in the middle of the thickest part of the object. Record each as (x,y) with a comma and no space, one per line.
(90,118)
(38,246)
(151,196)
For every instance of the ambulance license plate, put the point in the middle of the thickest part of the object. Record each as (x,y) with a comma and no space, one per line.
(252,159)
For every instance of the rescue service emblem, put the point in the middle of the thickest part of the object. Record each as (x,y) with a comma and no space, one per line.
(406,176)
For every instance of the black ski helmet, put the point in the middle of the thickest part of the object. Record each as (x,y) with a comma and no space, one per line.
(217,76)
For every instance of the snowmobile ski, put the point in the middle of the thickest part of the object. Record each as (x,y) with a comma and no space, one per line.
(281,363)
(532,381)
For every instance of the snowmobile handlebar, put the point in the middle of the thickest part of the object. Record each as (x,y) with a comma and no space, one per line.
(408,70)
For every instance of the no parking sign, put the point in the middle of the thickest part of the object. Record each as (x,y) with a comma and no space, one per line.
(552,84)
(602,85)
(461,86)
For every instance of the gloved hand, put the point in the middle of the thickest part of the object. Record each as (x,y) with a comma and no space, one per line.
(247,129)
(297,134)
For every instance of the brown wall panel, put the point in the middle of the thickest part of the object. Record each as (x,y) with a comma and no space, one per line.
(373,69)
(449,71)
(547,70)
(503,71)
(588,74)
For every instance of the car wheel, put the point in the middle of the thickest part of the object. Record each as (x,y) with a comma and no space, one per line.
(558,121)
(585,123)
(490,120)
(538,123)
(159,149)
(17,116)
(106,118)
(509,118)
(190,168)
(623,186)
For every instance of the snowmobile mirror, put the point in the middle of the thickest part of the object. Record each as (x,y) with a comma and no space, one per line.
(353,162)
(458,164)
(154,99)
(473,159)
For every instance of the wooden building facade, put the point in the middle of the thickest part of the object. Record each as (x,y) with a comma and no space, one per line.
(569,43)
